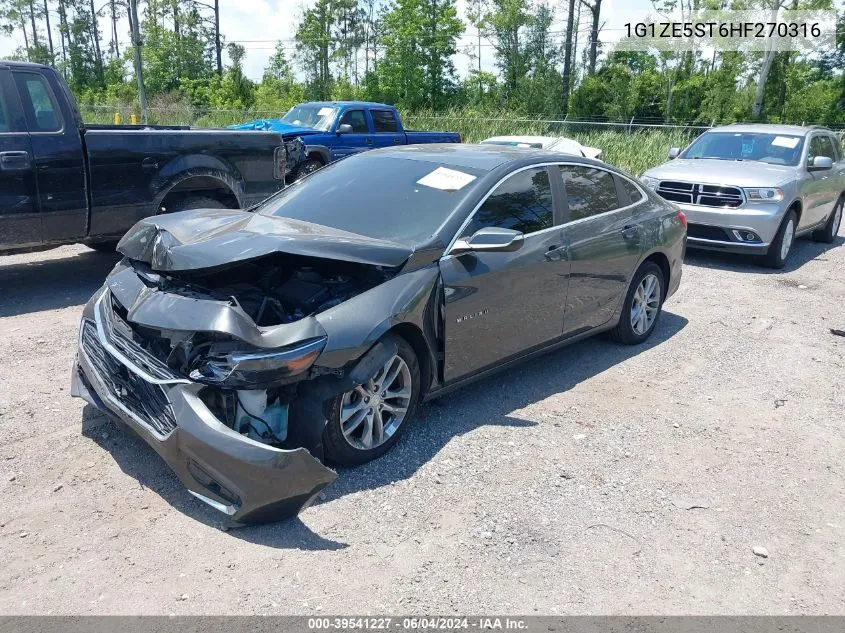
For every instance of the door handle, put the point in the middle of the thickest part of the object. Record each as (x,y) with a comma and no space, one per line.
(397,141)
(556,251)
(149,164)
(369,141)
(631,231)
(14,161)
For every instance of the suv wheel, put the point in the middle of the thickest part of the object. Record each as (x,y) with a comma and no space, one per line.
(781,246)
(831,229)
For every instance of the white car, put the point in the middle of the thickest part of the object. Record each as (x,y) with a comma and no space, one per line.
(555,143)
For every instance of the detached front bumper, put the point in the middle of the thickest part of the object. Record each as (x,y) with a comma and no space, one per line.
(727,229)
(247,481)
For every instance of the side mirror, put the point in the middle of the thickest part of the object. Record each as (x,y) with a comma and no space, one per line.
(344,128)
(490,239)
(673,152)
(820,163)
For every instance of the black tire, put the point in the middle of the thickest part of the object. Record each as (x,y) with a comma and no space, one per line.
(340,451)
(774,257)
(308,167)
(831,228)
(103,247)
(624,331)
(195,202)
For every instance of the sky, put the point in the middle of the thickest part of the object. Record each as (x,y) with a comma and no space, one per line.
(258,24)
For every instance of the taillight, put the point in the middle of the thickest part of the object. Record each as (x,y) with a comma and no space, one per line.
(279,162)
(683,218)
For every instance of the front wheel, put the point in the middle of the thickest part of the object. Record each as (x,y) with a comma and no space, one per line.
(366,422)
(642,306)
(308,167)
(781,246)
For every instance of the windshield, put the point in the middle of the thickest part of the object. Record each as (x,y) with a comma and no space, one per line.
(376,196)
(776,149)
(313,116)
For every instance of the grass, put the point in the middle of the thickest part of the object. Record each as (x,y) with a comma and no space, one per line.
(633,150)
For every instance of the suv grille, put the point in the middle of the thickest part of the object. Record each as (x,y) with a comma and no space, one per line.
(704,195)
(121,334)
(146,401)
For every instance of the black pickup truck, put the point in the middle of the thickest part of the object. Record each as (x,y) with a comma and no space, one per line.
(63,182)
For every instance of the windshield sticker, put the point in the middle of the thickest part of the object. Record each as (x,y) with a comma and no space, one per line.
(785,141)
(747,148)
(446,179)
(325,112)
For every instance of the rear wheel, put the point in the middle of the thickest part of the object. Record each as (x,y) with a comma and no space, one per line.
(831,229)
(642,305)
(366,422)
(781,246)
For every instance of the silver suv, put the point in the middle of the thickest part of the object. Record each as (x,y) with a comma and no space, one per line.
(755,188)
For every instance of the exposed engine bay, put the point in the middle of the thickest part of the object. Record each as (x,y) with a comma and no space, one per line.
(279,288)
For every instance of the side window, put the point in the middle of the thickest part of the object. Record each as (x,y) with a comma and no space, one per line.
(820,146)
(384,121)
(589,191)
(838,147)
(835,154)
(40,108)
(522,203)
(5,123)
(634,194)
(357,120)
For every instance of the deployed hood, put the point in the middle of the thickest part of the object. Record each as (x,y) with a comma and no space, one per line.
(208,238)
(710,171)
(275,125)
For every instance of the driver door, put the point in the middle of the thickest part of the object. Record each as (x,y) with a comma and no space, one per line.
(358,140)
(500,305)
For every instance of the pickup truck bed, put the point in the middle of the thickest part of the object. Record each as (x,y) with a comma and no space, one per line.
(63,182)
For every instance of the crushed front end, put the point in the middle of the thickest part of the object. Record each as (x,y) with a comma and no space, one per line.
(223,383)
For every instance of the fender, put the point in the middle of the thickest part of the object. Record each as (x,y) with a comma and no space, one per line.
(190,166)
(322,151)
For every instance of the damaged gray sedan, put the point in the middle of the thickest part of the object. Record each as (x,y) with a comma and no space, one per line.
(251,348)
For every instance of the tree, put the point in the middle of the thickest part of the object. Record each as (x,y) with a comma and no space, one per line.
(595,13)
(504,25)
(567,57)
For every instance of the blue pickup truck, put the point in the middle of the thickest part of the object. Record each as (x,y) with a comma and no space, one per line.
(335,129)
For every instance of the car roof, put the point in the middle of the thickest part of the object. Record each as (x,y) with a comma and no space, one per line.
(480,157)
(337,104)
(544,141)
(9,62)
(767,128)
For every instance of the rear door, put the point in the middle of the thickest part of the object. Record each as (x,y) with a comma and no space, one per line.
(500,305)
(603,236)
(58,157)
(20,220)
(386,128)
(820,190)
(359,139)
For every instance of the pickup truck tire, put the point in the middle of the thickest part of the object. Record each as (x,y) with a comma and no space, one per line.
(781,246)
(196,202)
(831,227)
(309,166)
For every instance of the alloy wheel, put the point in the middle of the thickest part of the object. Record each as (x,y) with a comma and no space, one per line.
(837,218)
(646,304)
(788,237)
(371,413)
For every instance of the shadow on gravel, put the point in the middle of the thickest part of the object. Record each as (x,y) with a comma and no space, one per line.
(803,250)
(51,284)
(491,402)
(486,403)
(140,461)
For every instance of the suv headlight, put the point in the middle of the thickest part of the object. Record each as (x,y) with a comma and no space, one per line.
(764,194)
(256,369)
(650,182)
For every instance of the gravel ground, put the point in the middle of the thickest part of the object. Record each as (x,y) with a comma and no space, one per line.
(599,480)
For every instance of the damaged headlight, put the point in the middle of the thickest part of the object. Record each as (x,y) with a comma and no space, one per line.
(256,369)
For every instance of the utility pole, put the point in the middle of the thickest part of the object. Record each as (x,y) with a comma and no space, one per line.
(139,70)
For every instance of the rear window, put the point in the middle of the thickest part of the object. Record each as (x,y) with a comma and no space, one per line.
(384,121)
(375,196)
(5,125)
(634,194)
